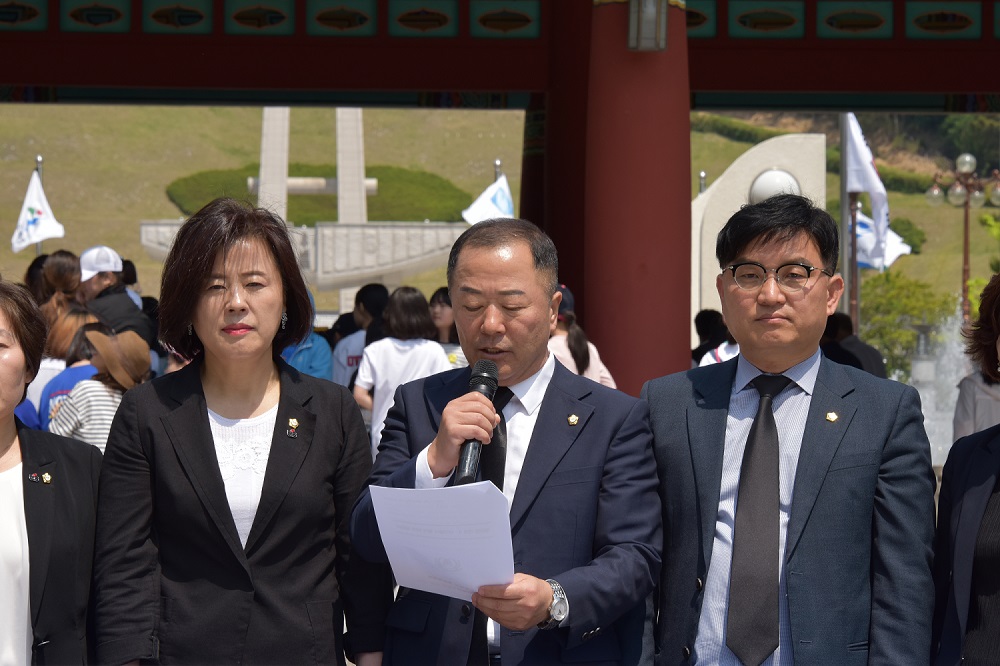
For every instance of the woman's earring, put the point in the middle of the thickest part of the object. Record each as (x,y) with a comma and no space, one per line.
(190,329)
(284,320)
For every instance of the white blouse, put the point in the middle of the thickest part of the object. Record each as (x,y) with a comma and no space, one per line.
(242,447)
(15,604)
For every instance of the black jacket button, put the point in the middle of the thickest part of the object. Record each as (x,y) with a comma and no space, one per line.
(466,610)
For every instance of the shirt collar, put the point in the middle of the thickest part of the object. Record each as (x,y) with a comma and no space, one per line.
(531,391)
(803,374)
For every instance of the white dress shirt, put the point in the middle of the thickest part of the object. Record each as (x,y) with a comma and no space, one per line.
(791,407)
(15,603)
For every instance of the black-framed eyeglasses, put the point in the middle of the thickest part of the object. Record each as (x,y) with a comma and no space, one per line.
(750,275)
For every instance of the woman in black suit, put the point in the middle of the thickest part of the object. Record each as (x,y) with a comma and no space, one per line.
(967,547)
(48,501)
(221,529)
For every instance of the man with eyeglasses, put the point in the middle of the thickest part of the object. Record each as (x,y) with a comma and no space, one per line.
(797,493)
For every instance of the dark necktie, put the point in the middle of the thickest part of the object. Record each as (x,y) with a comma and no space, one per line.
(494,455)
(752,623)
(492,460)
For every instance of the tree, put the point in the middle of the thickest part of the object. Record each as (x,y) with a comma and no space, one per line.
(992,226)
(973,133)
(890,303)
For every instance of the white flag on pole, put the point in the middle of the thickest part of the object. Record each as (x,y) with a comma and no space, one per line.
(862,176)
(894,245)
(36,222)
(495,201)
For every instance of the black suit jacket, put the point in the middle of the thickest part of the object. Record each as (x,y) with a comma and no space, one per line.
(585,513)
(172,579)
(59,516)
(969,476)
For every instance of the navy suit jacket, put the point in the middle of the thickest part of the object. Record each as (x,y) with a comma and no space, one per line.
(858,546)
(585,513)
(966,485)
(172,579)
(59,517)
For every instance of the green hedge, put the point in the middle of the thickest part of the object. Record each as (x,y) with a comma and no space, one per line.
(737,130)
(403,194)
(894,179)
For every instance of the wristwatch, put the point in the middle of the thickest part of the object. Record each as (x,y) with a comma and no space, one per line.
(558,609)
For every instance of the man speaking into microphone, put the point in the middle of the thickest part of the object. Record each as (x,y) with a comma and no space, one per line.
(573,459)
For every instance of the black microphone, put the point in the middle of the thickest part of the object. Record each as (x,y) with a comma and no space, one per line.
(485,379)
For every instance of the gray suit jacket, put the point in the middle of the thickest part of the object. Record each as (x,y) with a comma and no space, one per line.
(858,550)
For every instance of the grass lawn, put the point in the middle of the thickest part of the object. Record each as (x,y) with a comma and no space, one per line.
(108,167)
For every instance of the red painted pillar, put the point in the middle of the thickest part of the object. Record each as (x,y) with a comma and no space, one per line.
(637,200)
(554,163)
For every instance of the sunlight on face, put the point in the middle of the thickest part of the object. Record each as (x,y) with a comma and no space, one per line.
(239,310)
(504,310)
(13,368)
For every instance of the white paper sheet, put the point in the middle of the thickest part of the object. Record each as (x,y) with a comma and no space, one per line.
(448,541)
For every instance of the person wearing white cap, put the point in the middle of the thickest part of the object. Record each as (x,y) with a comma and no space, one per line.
(104,294)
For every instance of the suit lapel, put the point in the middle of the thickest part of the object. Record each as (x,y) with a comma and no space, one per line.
(39,503)
(978,486)
(294,428)
(551,438)
(438,392)
(706,424)
(820,441)
(191,436)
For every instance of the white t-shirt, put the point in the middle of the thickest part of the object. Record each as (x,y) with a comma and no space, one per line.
(389,363)
(720,354)
(242,447)
(15,604)
(347,356)
(47,369)
(455,354)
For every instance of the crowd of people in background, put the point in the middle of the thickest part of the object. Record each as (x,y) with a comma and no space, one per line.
(221,513)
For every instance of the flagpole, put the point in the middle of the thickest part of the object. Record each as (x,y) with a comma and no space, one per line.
(854,301)
(846,224)
(38,168)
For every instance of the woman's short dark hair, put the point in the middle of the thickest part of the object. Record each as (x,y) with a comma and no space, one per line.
(442,296)
(981,338)
(26,323)
(64,329)
(80,349)
(407,316)
(216,228)
(34,280)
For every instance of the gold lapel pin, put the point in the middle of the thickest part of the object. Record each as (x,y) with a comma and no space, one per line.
(292,425)
(831,416)
(572,419)
(46,478)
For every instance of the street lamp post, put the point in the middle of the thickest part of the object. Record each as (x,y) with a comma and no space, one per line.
(967,191)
